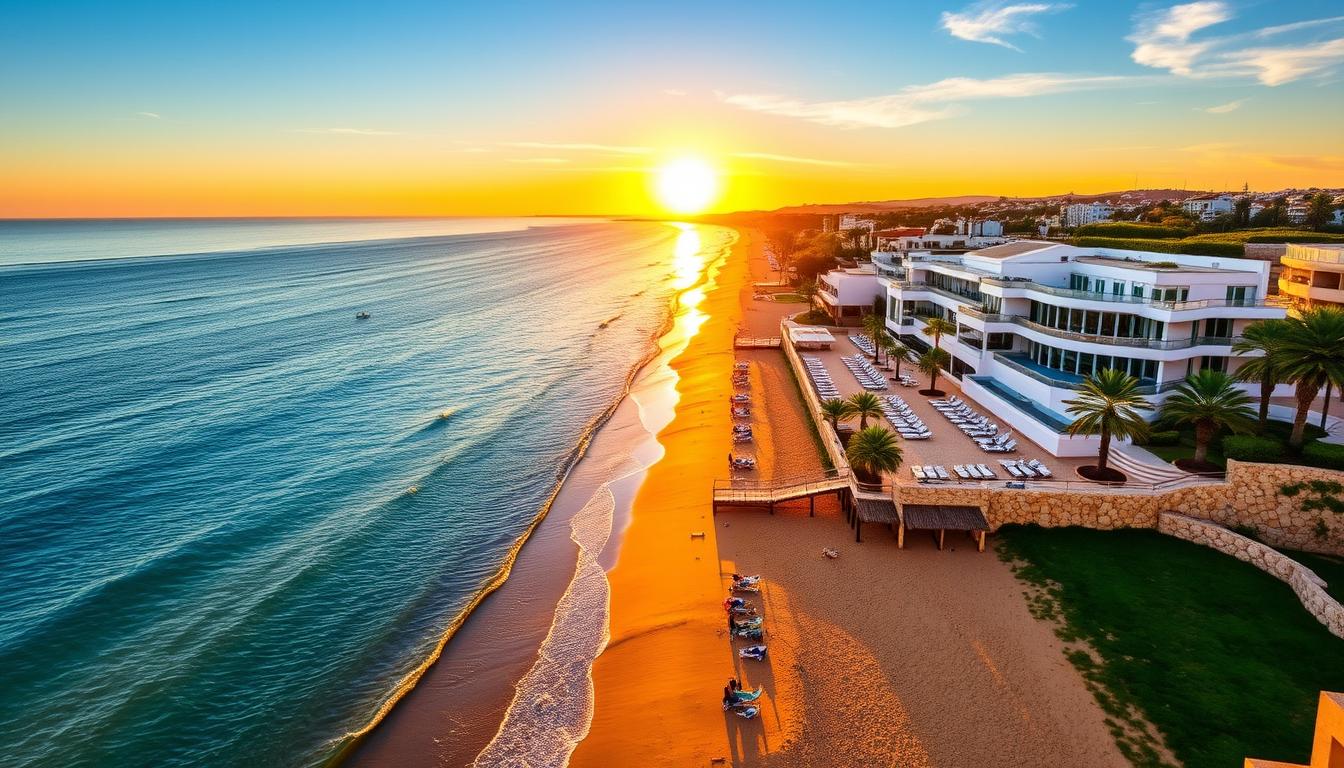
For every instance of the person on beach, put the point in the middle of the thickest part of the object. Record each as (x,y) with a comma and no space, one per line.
(733,685)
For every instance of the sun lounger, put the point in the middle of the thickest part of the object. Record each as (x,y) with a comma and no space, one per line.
(986,472)
(1012,468)
(961,471)
(1040,468)
(918,472)
(942,473)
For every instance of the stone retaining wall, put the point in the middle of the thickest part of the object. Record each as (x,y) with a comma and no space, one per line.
(1308,586)
(1250,496)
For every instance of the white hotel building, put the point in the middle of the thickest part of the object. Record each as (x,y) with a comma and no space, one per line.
(1034,318)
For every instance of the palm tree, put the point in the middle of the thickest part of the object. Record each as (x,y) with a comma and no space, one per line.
(931,362)
(876,328)
(936,327)
(896,352)
(836,410)
(1263,337)
(1108,404)
(1210,400)
(1311,353)
(873,451)
(865,405)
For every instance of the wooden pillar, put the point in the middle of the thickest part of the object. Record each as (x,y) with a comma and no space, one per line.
(858,524)
(900,536)
(940,539)
(981,546)
(772,506)
(811,506)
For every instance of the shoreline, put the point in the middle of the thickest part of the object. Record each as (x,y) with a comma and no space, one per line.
(612,457)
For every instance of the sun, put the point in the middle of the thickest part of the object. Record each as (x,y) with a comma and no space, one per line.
(686,185)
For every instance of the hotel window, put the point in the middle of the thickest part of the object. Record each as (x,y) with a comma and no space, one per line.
(1136,291)
(1118,288)
(1240,294)
(1107,323)
(1218,327)
(1085,362)
(1213,363)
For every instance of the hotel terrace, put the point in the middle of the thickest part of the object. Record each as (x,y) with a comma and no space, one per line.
(1035,318)
(1313,275)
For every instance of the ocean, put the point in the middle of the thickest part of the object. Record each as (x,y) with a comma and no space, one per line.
(236,521)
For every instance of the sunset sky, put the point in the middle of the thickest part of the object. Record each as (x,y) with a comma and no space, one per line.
(138,109)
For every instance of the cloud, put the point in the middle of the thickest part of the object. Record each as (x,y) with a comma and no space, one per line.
(349,131)
(919,103)
(1164,40)
(991,22)
(1223,109)
(787,159)
(151,115)
(605,148)
(1276,66)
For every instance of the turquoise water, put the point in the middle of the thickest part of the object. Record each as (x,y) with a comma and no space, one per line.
(232,516)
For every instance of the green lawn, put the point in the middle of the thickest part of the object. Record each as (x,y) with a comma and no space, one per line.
(1218,655)
(1279,430)
(789,298)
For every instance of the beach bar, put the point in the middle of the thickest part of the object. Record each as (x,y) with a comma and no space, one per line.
(943,518)
(810,337)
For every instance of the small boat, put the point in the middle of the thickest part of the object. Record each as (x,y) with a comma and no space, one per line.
(362,315)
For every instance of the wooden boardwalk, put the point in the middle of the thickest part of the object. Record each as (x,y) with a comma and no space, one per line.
(728,493)
(746,342)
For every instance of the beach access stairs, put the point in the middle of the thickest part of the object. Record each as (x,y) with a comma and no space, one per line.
(767,493)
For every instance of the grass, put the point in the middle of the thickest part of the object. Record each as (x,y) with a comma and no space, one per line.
(1219,656)
(1328,567)
(1277,430)
(789,298)
(825,457)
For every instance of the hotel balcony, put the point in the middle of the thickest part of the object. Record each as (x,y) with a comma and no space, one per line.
(1270,307)
(986,320)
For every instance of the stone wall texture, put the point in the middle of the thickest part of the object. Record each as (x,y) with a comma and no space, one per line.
(1268,252)
(1305,583)
(1250,497)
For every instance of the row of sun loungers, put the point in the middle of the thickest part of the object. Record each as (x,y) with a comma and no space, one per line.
(864,343)
(907,424)
(976,426)
(868,376)
(1031,468)
(821,378)
(933,474)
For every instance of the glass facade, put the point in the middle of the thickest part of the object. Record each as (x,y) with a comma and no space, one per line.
(1114,324)
(1087,363)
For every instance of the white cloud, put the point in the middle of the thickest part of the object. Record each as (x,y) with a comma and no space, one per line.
(605,148)
(919,103)
(151,115)
(1223,109)
(787,159)
(992,22)
(1276,66)
(1164,40)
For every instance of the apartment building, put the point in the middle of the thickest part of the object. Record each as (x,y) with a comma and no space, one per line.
(1035,318)
(1078,214)
(1209,207)
(1313,275)
(848,294)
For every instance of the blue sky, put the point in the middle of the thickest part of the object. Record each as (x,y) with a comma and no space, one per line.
(844,83)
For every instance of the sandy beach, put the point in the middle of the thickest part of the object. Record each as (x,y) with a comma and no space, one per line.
(888,657)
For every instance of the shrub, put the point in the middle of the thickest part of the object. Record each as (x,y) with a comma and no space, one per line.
(1167,437)
(1326,455)
(1131,230)
(1250,448)
(1192,247)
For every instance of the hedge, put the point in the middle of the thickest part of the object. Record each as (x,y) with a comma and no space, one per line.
(1130,230)
(1269,235)
(1189,247)
(1166,437)
(1325,455)
(1250,448)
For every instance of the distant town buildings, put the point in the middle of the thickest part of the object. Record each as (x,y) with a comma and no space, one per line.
(852,221)
(1079,214)
(1208,207)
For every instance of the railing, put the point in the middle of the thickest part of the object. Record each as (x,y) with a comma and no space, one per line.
(972,295)
(1050,484)
(1126,341)
(1171,306)
(765,491)
(983,315)
(1152,388)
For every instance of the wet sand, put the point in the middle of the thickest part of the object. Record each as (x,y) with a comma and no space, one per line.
(883,657)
